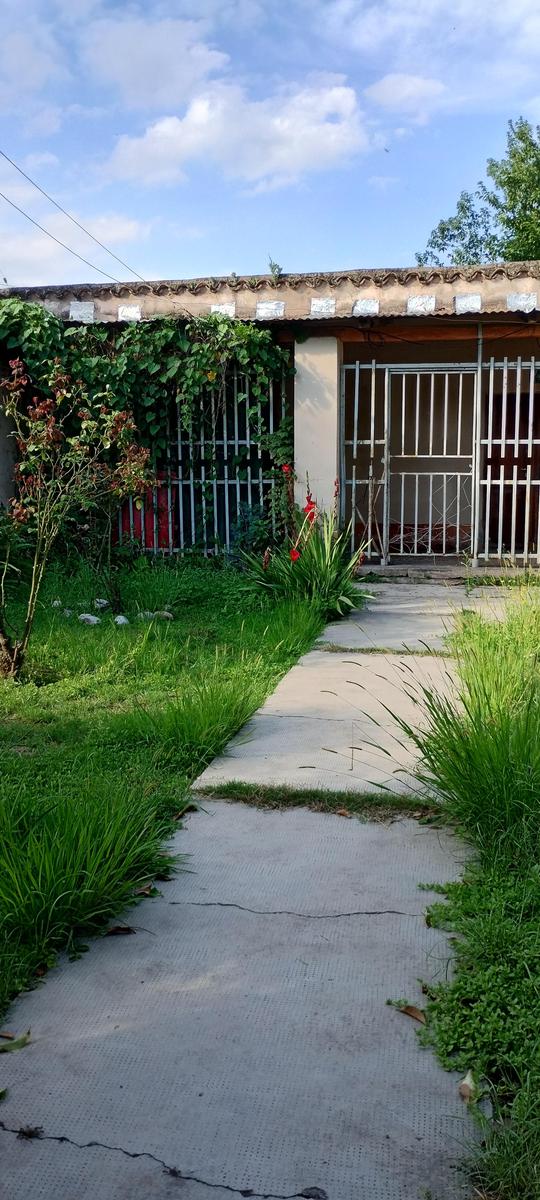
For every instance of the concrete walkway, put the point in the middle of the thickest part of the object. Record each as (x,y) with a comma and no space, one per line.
(332,721)
(239,1043)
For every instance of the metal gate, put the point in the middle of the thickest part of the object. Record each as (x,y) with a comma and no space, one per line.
(442,459)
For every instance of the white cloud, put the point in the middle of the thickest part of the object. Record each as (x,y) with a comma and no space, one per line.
(383,183)
(271,141)
(413,95)
(28,257)
(41,159)
(153,63)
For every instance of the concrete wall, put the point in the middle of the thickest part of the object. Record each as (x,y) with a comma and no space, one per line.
(316,417)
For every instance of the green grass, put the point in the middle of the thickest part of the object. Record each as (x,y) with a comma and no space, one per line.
(371,805)
(481,756)
(101,740)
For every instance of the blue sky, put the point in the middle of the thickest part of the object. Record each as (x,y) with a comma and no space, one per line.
(196,137)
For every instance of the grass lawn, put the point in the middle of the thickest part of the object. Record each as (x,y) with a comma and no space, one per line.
(110,725)
(481,754)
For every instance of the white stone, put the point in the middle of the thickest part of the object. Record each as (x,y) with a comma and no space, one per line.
(100,603)
(56,603)
(82,310)
(120,620)
(68,612)
(323,306)
(129,312)
(89,619)
(269,308)
(521,301)
(365,306)
(146,615)
(165,616)
(226,310)
(468,302)
(418,306)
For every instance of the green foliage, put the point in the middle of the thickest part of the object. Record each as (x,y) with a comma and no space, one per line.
(109,726)
(321,570)
(480,756)
(146,366)
(500,222)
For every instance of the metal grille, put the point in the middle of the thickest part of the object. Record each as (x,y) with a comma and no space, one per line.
(442,459)
(216,476)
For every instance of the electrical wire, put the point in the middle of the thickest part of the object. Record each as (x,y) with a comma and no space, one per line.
(71,218)
(57,240)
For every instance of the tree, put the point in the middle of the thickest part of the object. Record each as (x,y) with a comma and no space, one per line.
(499,223)
(75,453)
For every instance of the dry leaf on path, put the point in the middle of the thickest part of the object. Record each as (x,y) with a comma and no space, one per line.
(119,930)
(417,1014)
(343,812)
(466,1088)
(5,1034)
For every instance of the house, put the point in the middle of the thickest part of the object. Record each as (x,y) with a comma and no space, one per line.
(418,389)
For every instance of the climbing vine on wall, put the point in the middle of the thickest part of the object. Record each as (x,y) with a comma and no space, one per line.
(144,366)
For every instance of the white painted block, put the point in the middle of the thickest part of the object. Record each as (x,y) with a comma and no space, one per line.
(82,310)
(129,312)
(468,302)
(521,301)
(366,306)
(226,310)
(418,306)
(269,308)
(323,306)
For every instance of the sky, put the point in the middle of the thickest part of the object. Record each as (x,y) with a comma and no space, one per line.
(201,137)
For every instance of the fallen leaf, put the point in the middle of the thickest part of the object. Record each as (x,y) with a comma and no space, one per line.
(119,930)
(18,1044)
(145,891)
(3,1094)
(467,1087)
(417,1014)
(343,812)
(8,1036)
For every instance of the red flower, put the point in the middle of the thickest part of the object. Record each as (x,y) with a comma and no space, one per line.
(294,554)
(286,469)
(310,508)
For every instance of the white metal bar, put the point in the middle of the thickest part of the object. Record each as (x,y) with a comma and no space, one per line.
(403,406)
(445,416)
(517,413)
(226,477)
(271,430)
(372,408)
(529,463)
(353,506)
(416,504)
(203,479)
(459,414)
(386,470)
(458,513)
(259,450)
(402,514)
(444,514)
(180,484)
(248,447)
(214,469)
(192,484)
(236,441)
(476,460)
(417,417)
(489,454)
(355,410)
(169,486)
(503,451)
(430,515)
(431,411)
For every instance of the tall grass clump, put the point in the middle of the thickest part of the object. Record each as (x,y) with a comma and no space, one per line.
(318,567)
(479,752)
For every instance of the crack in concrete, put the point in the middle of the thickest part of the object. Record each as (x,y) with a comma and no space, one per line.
(308,1193)
(285,912)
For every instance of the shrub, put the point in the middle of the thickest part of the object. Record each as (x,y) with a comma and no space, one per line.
(316,566)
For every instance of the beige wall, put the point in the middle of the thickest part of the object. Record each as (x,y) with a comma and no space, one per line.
(316,412)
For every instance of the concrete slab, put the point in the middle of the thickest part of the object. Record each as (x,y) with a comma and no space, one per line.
(411,616)
(332,723)
(240,1042)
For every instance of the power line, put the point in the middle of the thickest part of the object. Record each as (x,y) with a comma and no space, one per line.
(57,240)
(73,219)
